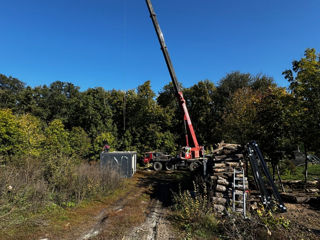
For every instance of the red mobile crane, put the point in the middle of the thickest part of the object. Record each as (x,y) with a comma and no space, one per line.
(192,154)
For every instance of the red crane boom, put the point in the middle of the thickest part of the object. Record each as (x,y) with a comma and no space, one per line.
(196,150)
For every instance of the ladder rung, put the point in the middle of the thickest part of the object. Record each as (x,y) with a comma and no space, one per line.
(241,186)
(238,194)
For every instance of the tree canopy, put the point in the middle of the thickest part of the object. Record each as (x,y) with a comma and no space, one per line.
(241,107)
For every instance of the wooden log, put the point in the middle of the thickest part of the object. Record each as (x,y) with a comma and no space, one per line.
(311,190)
(214,177)
(219,170)
(231,146)
(223,177)
(292,198)
(233,164)
(222,157)
(221,188)
(229,158)
(218,174)
(218,200)
(223,181)
(238,192)
(219,194)
(219,208)
(228,174)
(219,165)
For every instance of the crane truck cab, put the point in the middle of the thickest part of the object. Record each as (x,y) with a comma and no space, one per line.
(186,153)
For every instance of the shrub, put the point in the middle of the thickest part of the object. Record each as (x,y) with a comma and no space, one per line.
(10,135)
(34,184)
(262,224)
(91,180)
(23,187)
(71,182)
(194,213)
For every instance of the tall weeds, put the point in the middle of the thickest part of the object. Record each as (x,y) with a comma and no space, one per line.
(194,214)
(31,185)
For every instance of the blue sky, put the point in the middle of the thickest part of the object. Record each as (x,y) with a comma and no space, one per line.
(112,43)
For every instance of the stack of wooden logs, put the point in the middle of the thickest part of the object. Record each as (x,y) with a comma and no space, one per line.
(227,157)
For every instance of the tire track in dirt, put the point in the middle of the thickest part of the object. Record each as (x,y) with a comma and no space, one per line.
(103,216)
(156,226)
(149,229)
(140,213)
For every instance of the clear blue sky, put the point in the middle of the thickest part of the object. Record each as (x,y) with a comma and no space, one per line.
(112,43)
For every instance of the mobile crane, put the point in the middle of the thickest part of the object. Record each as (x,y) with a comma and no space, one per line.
(192,154)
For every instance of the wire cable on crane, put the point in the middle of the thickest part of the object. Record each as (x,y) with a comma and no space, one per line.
(124,42)
(124,58)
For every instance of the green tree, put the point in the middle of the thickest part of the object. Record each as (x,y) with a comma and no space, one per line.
(32,135)
(93,113)
(232,82)
(59,101)
(202,107)
(304,79)
(100,141)
(227,99)
(147,120)
(239,116)
(167,100)
(117,101)
(10,89)
(236,80)
(10,134)
(80,143)
(57,138)
(273,124)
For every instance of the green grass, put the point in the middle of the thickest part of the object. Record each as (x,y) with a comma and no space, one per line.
(298,174)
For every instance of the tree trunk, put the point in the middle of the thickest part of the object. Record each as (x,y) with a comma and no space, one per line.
(273,170)
(283,190)
(305,166)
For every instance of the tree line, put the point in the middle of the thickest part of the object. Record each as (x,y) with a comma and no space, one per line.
(241,107)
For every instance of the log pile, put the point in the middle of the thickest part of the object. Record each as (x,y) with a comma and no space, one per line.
(226,158)
(296,185)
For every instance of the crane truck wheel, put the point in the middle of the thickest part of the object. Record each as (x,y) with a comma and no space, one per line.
(170,166)
(193,166)
(157,166)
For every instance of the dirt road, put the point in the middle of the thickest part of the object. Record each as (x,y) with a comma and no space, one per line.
(141,208)
(140,213)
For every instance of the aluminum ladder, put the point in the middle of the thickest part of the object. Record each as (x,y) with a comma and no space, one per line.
(239,191)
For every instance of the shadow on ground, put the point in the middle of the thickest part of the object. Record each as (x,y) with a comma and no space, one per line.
(164,183)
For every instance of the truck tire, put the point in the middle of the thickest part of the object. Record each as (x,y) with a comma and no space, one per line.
(170,166)
(193,166)
(157,166)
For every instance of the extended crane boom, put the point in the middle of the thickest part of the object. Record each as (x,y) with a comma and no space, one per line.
(195,149)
